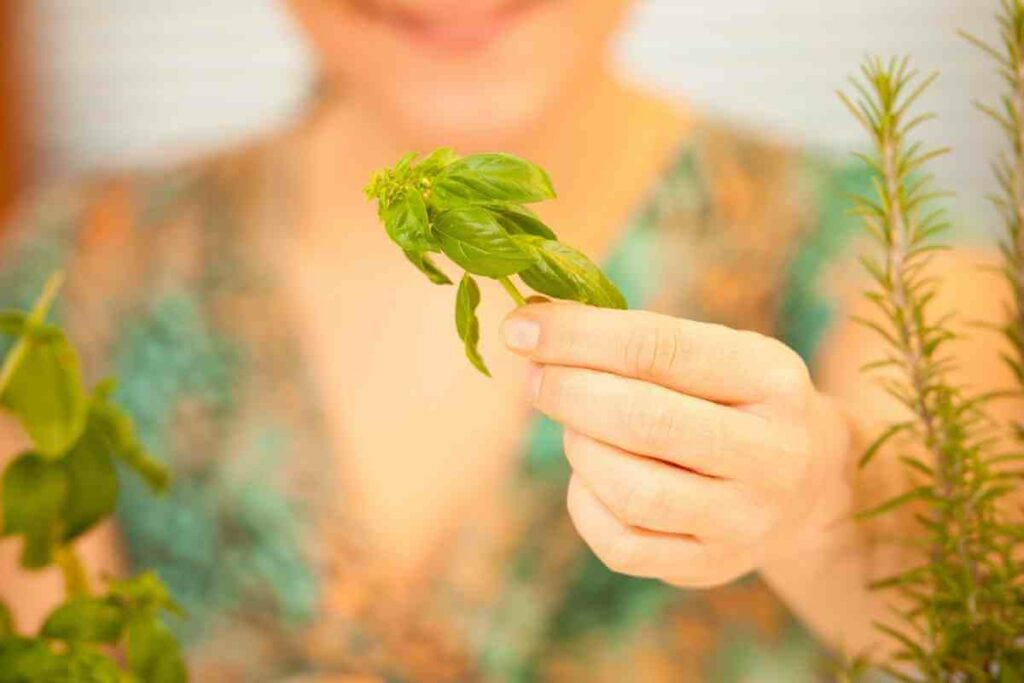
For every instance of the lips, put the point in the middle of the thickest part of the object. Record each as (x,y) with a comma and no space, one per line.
(452,32)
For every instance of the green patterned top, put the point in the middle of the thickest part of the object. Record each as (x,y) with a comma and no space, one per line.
(170,289)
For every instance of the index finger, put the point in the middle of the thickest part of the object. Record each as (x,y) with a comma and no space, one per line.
(710,361)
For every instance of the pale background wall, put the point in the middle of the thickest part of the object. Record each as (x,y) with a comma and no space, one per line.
(126,81)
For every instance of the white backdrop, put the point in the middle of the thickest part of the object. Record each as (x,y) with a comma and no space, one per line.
(125,81)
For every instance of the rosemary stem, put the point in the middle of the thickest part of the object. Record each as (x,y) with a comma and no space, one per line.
(513,291)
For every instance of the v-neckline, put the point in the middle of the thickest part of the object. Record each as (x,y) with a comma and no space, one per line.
(276,215)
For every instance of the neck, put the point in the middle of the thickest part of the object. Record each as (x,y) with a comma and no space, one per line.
(597,140)
(362,139)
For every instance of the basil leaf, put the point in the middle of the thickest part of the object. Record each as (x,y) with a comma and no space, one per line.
(427,267)
(84,664)
(25,659)
(33,491)
(13,323)
(488,178)
(32,659)
(6,621)
(466,301)
(115,427)
(436,160)
(407,224)
(565,273)
(45,391)
(473,210)
(520,220)
(86,619)
(473,238)
(152,653)
(403,164)
(145,594)
(91,483)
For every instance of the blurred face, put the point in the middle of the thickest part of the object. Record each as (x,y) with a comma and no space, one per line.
(458,71)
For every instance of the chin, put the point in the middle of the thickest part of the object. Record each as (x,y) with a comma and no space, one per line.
(470,120)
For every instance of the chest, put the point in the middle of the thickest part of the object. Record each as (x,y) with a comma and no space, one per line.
(421,440)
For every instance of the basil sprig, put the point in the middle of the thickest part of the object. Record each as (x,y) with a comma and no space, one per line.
(473,210)
(65,484)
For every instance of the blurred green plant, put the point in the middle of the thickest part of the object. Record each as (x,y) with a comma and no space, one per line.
(61,488)
(1008,170)
(959,614)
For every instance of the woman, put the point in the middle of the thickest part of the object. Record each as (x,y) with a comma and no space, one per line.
(352,498)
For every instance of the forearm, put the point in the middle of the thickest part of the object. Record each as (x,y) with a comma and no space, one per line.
(825,584)
(823,577)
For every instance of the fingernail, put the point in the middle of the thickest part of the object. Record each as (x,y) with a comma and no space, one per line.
(521,334)
(533,386)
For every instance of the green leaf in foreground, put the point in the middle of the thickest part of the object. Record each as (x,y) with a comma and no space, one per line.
(565,273)
(488,178)
(114,425)
(466,301)
(33,492)
(24,659)
(473,238)
(407,224)
(427,267)
(6,621)
(13,323)
(91,484)
(145,594)
(520,220)
(435,161)
(86,619)
(152,652)
(33,659)
(45,391)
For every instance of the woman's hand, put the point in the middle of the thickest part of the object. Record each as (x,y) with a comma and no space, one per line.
(699,453)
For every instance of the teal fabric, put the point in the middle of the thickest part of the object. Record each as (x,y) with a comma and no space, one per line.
(222,537)
(230,541)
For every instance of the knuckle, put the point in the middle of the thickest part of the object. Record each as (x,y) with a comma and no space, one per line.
(794,460)
(573,341)
(711,438)
(617,551)
(646,503)
(752,528)
(614,546)
(556,391)
(570,442)
(787,375)
(650,423)
(653,351)
(715,568)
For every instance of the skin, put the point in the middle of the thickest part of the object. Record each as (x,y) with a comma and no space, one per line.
(702,453)
(699,453)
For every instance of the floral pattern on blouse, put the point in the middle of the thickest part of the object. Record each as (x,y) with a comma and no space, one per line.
(170,288)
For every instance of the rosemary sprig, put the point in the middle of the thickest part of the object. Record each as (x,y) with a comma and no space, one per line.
(1008,169)
(961,611)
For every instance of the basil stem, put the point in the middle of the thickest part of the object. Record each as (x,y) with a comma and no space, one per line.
(513,291)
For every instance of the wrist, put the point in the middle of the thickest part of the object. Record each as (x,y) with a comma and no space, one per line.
(822,524)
